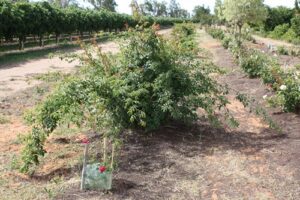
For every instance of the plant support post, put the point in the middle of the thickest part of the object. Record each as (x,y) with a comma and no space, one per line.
(85,155)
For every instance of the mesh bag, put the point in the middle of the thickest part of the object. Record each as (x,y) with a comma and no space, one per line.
(94,180)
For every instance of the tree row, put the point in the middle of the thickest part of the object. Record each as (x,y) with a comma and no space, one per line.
(23,19)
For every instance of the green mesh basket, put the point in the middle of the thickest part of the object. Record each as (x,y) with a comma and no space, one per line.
(95,180)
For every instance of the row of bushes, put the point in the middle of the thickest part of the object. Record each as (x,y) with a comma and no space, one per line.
(22,19)
(257,64)
(216,33)
(291,51)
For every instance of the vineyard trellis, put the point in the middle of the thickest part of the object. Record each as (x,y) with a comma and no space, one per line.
(23,19)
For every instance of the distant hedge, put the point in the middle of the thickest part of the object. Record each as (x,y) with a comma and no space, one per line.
(21,19)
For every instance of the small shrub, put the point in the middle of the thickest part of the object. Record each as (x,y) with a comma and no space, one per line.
(184,29)
(3,119)
(216,33)
(235,47)
(226,41)
(288,94)
(289,36)
(272,74)
(282,50)
(253,62)
(183,37)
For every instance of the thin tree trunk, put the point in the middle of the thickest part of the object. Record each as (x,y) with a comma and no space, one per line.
(57,38)
(41,43)
(21,43)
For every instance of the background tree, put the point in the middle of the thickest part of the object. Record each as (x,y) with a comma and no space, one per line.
(173,8)
(154,8)
(109,5)
(25,21)
(277,16)
(135,10)
(202,15)
(7,20)
(63,3)
(240,12)
(182,13)
(176,11)
(104,4)
(297,5)
(219,10)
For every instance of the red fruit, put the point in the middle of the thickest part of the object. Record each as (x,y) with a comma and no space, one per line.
(85,141)
(102,169)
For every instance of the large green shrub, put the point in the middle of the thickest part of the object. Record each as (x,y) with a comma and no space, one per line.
(296,25)
(279,31)
(151,82)
(290,36)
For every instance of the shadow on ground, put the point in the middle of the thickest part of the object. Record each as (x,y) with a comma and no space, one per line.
(171,163)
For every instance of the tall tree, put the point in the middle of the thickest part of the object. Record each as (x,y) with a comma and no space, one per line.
(240,12)
(297,2)
(104,4)
(63,3)
(175,10)
(218,4)
(174,7)
(278,16)
(202,15)
(135,9)
(219,10)
(109,5)
(154,8)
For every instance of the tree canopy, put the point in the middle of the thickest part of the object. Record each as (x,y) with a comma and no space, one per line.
(277,16)
(163,9)
(104,4)
(202,15)
(240,12)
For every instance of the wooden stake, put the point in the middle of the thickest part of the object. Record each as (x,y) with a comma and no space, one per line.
(112,156)
(85,157)
(104,149)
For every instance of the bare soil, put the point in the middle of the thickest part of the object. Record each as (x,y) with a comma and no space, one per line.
(175,162)
(266,41)
(286,61)
(15,77)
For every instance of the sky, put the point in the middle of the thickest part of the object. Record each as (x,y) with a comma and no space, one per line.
(123,5)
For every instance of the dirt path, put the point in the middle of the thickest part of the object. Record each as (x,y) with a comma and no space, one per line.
(14,77)
(266,41)
(286,61)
